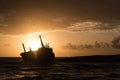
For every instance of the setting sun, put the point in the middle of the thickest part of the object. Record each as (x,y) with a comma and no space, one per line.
(59,39)
(34,44)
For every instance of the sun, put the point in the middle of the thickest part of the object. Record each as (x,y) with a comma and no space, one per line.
(34,44)
(32,41)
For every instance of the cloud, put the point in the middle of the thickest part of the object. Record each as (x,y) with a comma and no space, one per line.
(20,17)
(87,46)
(116,42)
(81,46)
(93,26)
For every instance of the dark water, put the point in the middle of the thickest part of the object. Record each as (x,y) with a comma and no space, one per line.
(11,69)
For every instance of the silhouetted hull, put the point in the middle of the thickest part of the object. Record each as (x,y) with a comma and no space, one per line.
(41,56)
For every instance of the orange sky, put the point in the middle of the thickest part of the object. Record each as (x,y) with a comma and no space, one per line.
(59,40)
(72,27)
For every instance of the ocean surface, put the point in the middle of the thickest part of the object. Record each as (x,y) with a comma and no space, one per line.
(12,69)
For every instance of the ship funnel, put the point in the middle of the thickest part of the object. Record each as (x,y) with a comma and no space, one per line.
(24,47)
(41,41)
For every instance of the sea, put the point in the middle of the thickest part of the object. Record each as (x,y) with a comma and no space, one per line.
(12,69)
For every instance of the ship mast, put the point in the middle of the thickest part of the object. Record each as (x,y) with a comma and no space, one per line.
(24,47)
(41,41)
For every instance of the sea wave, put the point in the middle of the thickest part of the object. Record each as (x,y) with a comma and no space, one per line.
(11,69)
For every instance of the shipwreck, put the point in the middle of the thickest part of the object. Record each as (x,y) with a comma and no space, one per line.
(43,55)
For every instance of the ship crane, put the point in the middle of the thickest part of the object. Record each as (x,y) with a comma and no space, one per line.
(24,47)
(41,42)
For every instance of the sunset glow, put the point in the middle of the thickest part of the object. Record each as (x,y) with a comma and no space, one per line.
(59,39)
(34,44)
(70,27)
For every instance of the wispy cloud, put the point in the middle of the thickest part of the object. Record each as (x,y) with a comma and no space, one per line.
(93,25)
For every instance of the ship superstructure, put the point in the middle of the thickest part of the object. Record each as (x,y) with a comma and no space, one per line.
(43,55)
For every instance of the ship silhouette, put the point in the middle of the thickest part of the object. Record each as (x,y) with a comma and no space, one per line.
(43,55)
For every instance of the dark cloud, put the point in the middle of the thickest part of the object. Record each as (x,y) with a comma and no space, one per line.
(116,42)
(81,46)
(22,16)
(88,46)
